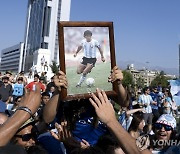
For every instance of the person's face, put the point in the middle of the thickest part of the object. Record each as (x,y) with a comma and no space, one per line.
(24,140)
(166,93)
(18,101)
(5,80)
(163,132)
(36,79)
(45,99)
(42,81)
(147,91)
(141,125)
(20,81)
(52,89)
(88,38)
(155,90)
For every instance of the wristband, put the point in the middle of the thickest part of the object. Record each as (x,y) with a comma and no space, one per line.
(25,109)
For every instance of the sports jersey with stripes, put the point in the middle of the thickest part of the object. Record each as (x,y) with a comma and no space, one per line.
(90,48)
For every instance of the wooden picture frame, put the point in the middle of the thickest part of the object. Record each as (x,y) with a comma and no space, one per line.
(71,36)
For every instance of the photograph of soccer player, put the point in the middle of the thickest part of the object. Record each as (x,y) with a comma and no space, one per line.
(87,56)
(89,46)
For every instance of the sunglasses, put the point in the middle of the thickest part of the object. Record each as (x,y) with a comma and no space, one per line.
(25,137)
(159,126)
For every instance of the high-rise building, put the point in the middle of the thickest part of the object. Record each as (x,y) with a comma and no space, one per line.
(42,30)
(11,58)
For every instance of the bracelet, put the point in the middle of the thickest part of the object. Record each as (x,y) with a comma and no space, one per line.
(25,109)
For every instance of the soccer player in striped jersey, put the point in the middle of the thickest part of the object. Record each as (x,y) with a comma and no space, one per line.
(89,46)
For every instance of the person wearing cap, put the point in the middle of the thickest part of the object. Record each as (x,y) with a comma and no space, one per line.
(24,137)
(165,132)
(8,73)
(6,90)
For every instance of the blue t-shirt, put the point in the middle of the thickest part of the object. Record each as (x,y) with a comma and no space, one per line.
(155,99)
(85,130)
(2,106)
(18,89)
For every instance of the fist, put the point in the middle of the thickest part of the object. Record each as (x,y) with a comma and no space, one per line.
(103,59)
(60,80)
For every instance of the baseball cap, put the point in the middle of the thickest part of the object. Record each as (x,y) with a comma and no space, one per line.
(8,72)
(167,119)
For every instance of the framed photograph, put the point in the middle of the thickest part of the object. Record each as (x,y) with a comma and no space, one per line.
(87,55)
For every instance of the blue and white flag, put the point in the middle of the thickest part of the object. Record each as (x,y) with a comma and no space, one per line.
(175,90)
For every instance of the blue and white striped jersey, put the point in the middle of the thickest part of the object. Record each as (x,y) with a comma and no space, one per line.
(90,48)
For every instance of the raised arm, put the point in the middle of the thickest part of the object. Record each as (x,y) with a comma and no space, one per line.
(102,107)
(50,108)
(134,111)
(117,75)
(10,127)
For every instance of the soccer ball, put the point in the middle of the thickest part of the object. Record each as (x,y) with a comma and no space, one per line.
(90,82)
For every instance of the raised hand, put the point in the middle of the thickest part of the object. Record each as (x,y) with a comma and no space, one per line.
(64,135)
(103,107)
(32,99)
(116,75)
(60,80)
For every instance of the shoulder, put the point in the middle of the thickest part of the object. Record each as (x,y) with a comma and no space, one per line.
(83,41)
(149,96)
(94,41)
(141,96)
(29,84)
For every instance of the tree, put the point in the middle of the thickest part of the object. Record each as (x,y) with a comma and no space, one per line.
(128,79)
(160,79)
(54,67)
(140,82)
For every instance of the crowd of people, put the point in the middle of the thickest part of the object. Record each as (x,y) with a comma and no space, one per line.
(34,119)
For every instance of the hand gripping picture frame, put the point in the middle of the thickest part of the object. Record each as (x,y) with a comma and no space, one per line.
(87,55)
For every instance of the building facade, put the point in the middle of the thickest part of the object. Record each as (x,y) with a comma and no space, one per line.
(42,30)
(11,58)
(146,75)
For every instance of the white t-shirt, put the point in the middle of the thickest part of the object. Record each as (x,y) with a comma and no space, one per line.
(146,99)
(90,48)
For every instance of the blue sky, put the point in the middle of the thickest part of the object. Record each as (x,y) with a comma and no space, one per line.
(145,30)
